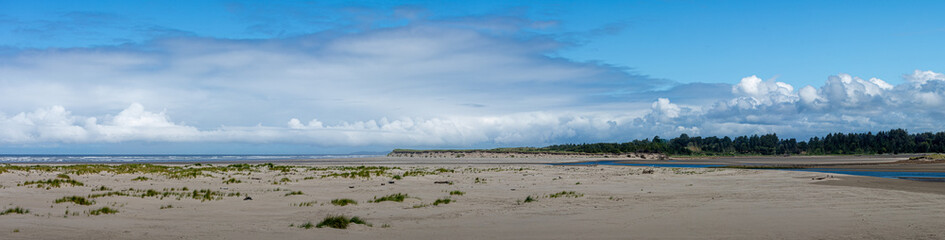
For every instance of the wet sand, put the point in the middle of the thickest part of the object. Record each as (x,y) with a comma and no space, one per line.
(608,202)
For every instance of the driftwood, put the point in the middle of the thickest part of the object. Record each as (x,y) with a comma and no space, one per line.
(443,182)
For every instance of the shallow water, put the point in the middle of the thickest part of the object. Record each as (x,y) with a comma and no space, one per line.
(916,176)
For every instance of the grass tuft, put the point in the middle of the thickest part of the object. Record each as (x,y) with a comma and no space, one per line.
(340,222)
(103,210)
(457,192)
(16,210)
(397,197)
(442,201)
(141,178)
(343,202)
(294,193)
(75,199)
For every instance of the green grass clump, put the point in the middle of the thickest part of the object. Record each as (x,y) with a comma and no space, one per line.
(294,193)
(529,199)
(16,210)
(103,210)
(565,194)
(442,201)
(343,202)
(167,206)
(53,183)
(232,180)
(397,197)
(307,225)
(63,176)
(457,192)
(340,222)
(75,199)
(305,204)
(141,178)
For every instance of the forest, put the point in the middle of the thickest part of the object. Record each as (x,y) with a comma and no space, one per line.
(892,141)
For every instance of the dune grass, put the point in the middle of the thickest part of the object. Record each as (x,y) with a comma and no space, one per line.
(294,193)
(457,192)
(15,210)
(340,222)
(343,202)
(565,194)
(397,197)
(103,210)
(53,183)
(442,201)
(75,199)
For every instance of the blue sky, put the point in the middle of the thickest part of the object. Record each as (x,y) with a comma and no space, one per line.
(339,76)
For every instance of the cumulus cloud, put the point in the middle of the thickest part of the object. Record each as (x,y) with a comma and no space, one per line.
(464,82)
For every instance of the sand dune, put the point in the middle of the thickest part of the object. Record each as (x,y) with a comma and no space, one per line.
(608,202)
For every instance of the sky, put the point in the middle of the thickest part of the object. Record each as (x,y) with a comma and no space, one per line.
(251,77)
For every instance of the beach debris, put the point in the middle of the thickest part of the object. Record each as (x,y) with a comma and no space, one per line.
(819,178)
(350,186)
(391,182)
(247,198)
(382,184)
(255,178)
(648,171)
(512,189)
(224,188)
(443,182)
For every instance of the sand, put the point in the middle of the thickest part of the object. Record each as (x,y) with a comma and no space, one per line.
(609,202)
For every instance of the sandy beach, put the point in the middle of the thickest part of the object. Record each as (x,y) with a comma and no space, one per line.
(487,200)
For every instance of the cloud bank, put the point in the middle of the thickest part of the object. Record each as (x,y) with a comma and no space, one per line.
(469,82)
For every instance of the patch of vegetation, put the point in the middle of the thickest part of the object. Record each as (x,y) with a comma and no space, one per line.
(285,179)
(141,178)
(232,181)
(304,204)
(457,192)
(103,210)
(75,199)
(63,176)
(565,194)
(15,210)
(202,195)
(353,172)
(167,206)
(529,199)
(442,201)
(340,222)
(397,197)
(294,193)
(343,202)
(307,225)
(53,183)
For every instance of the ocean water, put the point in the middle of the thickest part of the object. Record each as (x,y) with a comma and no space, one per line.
(163,158)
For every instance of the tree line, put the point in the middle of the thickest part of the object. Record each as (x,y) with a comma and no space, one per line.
(892,141)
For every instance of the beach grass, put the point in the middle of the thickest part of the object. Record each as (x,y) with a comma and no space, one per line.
(457,192)
(103,210)
(15,210)
(75,199)
(397,197)
(343,202)
(294,193)
(340,222)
